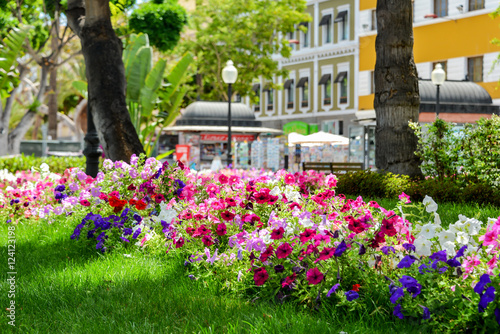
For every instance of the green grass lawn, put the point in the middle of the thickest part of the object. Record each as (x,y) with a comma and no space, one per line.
(64,288)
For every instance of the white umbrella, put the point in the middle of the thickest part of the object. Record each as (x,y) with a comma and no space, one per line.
(322,137)
(295,138)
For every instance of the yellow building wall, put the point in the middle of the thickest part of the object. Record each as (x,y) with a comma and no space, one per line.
(367,4)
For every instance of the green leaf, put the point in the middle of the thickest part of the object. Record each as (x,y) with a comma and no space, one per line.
(81,87)
(12,45)
(164,155)
(152,83)
(140,67)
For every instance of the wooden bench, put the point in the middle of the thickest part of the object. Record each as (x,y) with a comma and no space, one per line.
(333,167)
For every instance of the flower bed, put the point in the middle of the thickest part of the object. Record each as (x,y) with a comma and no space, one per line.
(282,237)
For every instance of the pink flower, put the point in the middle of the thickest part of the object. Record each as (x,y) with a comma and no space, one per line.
(223,179)
(260,276)
(289,179)
(314,276)
(405,198)
(84,202)
(277,233)
(207,240)
(307,235)
(326,253)
(221,229)
(179,243)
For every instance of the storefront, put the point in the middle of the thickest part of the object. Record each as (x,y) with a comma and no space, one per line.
(203,132)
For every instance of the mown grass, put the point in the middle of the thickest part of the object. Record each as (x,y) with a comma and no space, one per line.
(64,288)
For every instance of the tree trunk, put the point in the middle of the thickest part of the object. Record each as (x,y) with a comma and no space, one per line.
(102,51)
(52,98)
(397,98)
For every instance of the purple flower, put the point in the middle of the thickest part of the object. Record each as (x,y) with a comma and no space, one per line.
(397,312)
(497,315)
(408,281)
(127,231)
(136,233)
(414,290)
(406,262)
(479,288)
(486,298)
(362,249)
(409,247)
(427,313)
(439,256)
(396,294)
(387,249)
(453,262)
(125,239)
(332,290)
(279,268)
(60,188)
(351,295)
(461,251)
(341,248)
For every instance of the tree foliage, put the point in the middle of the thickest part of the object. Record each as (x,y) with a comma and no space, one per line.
(249,32)
(162,21)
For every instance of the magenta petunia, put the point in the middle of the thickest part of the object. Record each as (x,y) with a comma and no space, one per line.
(307,235)
(277,234)
(227,216)
(326,253)
(260,276)
(283,250)
(314,276)
(221,229)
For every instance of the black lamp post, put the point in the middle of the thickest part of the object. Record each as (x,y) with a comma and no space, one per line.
(438,76)
(92,150)
(229,75)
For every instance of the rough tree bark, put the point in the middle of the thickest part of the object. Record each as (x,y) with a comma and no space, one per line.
(397,98)
(102,51)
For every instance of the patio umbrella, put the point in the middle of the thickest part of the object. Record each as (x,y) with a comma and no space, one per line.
(322,137)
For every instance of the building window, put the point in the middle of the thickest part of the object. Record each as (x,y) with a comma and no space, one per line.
(374,19)
(441,8)
(290,92)
(443,64)
(476,4)
(343,26)
(475,69)
(326,81)
(304,36)
(291,39)
(326,22)
(256,90)
(303,84)
(341,79)
(237,98)
(270,99)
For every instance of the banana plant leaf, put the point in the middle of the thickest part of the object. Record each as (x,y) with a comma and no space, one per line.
(9,51)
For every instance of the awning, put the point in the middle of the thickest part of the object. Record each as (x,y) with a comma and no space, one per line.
(340,16)
(302,82)
(305,24)
(325,78)
(325,20)
(340,77)
(256,87)
(235,129)
(288,83)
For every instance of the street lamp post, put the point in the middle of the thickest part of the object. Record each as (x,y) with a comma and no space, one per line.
(438,76)
(229,75)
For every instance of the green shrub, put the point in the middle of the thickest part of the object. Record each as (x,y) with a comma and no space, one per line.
(56,164)
(370,184)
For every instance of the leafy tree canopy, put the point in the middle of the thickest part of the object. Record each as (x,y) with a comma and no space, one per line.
(249,32)
(161,20)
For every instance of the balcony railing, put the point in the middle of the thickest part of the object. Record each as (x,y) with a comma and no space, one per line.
(305,104)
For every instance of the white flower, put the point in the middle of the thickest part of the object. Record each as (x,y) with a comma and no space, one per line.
(437,219)
(473,226)
(44,168)
(462,218)
(456,227)
(306,222)
(428,231)
(422,246)
(449,246)
(430,205)
(463,237)
(445,236)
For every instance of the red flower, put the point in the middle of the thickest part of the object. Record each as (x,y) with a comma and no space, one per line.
(159,198)
(277,233)
(288,281)
(283,250)
(207,240)
(230,201)
(179,243)
(345,208)
(202,230)
(114,201)
(131,187)
(227,216)
(198,216)
(314,276)
(388,228)
(141,205)
(85,202)
(190,230)
(262,197)
(132,201)
(260,276)
(221,229)
(307,235)
(356,287)
(294,205)
(267,253)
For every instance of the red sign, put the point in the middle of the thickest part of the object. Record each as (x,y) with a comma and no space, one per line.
(182,153)
(223,137)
